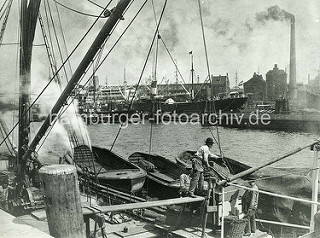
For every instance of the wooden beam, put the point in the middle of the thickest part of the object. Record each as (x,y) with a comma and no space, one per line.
(139,205)
(276,195)
(272,161)
(283,224)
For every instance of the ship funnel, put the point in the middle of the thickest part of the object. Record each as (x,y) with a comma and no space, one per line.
(154,87)
(292,73)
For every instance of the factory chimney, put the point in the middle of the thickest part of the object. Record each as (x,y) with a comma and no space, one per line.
(292,75)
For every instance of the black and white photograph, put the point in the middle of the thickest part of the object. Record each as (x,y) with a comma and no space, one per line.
(159,118)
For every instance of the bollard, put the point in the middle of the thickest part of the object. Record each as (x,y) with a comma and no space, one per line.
(62,199)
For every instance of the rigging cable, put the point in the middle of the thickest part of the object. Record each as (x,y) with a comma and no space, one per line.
(3,5)
(54,63)
(157,44)
(96,4)
(50,81)
(175,64)
(99,64)
(4,24)
(64,68)
(105,57)
(76,11)
(63,36)
(56,38)
(209,74)
(4,11)
(146,60)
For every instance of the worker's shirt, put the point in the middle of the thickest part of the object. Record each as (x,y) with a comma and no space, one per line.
(254,198)
(202,156)
(184,181)
(250,200)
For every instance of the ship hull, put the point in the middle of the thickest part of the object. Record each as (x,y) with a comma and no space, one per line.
(163,175)
(224,105)
(110,169)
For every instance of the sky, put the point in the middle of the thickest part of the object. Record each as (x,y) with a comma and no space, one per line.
(243,36)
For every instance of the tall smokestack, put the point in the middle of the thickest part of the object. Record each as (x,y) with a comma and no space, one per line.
(292,75)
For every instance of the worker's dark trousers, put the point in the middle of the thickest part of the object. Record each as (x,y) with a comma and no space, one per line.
(251,223)
(197,178)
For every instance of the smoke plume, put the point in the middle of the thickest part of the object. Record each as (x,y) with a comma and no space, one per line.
(274,13)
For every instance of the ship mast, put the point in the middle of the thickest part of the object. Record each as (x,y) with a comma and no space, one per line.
(192,74)
(115,16)
(28,21)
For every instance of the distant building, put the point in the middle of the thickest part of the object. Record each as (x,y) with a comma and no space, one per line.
(220,87)
(314,85)
(302,96)
(256,88)
(313,93)
(276,80)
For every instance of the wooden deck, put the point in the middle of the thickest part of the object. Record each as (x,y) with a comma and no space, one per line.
(29,226)
(11,226)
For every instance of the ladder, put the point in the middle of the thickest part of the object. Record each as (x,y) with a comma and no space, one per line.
(52,61)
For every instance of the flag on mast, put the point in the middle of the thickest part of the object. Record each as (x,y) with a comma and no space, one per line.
(190,53)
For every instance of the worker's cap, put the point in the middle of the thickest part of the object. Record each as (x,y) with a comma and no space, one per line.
(209,141)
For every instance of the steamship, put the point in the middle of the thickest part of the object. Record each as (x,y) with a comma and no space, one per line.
(165,104)
(173,100)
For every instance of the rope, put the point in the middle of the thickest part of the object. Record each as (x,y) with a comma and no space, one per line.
(76,11)
(57,40)
(95,4)
(50,40)
(105,56)
(61,58)
(175,64)
(147,58)
(52,78)
(287,174)
(208,68)
(63,36)
(116,137)
(9,44)
(5,10)
(3,5)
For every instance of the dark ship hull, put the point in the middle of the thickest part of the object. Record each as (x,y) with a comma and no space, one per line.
(163,174)
(109,168)
(224,105)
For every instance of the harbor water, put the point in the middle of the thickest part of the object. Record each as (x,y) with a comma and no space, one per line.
(252,147)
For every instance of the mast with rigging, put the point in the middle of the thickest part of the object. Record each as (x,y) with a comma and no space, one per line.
(115,16)
(28,21)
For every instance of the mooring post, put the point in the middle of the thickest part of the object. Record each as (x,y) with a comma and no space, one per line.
(62,199)
(315,184)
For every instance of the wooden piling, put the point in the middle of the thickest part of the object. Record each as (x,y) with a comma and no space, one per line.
(62,199)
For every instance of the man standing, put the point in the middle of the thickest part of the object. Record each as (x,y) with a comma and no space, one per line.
(249,208)
(200,163)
